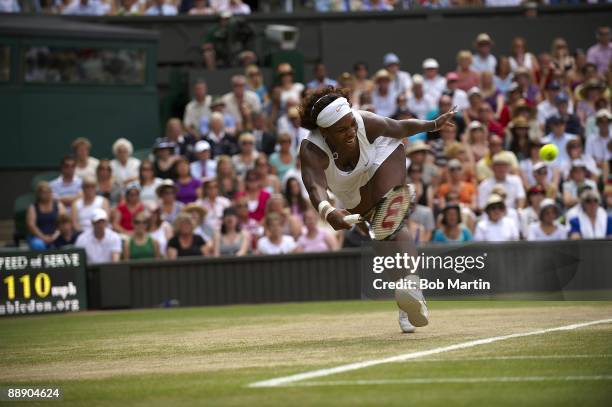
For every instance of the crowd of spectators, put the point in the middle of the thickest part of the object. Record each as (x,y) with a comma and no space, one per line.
(224,180)
(244,7)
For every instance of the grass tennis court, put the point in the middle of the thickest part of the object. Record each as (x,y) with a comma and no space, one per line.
(209,356)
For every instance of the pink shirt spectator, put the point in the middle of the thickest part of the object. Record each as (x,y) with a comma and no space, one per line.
(600,55)
(316,244)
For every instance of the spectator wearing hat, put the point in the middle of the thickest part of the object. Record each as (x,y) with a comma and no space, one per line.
(591,220)
(600,54)
(547,228)
(198,108)
(591,92)
(100,243)
(531,212)
(452,231)
(320,78)
(576,182)
(572,122)
(185,243)
(576,152)
(165,159)
(170,207)
(475,100)
(67,236)
(289,89)
(213,203)
(433,83)
(458,95)
(245,159)
(125,167)
(221,141)
(483,60)
(401,81)
(496,226)
(83,208)
(187,187)
(203,166)
(416,152)
(598,145)
(503,77)
(521,58)
(466,77)
(141,245)
(241,102)
(485,165)
(541,171)
(202,228)
(419,102)
(501,176)
(85,164)
(466,190)
(384,96)
(217,106)
(67,187)
(517,138)
(124,213)
(41,218)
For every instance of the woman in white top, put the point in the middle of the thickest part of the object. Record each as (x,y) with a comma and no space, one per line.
(83,208)
(125,167)
(547,228)
(288,88)
(520,57)
(148,182)
(160,230)
(496,226)
(85,164)
(275,242)
(359,156)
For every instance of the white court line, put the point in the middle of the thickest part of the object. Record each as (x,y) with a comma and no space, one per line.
(279,381)
(453,380)
(524,357)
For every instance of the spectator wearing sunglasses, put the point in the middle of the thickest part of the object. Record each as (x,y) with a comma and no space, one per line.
(141,245)
(591,220)
(496,226)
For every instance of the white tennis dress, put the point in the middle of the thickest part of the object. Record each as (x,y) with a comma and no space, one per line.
(345,184)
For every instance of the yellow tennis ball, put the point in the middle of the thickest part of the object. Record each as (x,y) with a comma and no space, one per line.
(549,152)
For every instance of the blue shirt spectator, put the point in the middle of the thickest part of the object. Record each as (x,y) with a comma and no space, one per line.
(159,8)
(86,8)
(9,6)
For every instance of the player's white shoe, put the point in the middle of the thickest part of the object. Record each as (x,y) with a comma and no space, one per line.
(412,302)
(405,324)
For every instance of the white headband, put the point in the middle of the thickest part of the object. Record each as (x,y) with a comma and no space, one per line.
(333,112)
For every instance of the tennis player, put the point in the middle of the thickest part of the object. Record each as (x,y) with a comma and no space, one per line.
(359,156)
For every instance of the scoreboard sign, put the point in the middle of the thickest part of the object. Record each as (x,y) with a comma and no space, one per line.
(42,282)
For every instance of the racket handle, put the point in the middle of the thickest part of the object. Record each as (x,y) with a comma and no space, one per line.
(352,219)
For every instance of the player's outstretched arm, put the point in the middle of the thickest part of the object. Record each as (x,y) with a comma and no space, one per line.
(383,126)
(313,165)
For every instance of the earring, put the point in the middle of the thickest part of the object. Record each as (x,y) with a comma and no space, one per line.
(335,155)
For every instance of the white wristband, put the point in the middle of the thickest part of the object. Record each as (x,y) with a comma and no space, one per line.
(322,206)
(328,211)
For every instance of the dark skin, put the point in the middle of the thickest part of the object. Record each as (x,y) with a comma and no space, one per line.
(341,138)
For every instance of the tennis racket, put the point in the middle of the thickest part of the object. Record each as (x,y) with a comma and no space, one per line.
(388,214)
